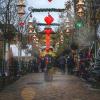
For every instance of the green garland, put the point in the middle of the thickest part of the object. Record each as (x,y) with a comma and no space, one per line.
(43,24)
(47,10)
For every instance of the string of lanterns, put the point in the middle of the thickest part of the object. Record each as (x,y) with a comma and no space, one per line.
(21,12)
(21,8)
(48,19)
(80,8)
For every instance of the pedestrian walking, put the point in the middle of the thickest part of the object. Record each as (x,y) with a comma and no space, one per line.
(70,64)
(62,63)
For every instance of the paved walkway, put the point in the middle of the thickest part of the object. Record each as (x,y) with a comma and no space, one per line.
(63,87)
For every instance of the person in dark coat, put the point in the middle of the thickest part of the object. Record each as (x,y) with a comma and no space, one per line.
(62,63)
(70,64)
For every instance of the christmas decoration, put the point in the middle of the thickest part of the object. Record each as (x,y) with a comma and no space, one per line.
(21,8)
(48,32)
(49,0)
(48,10)
(49,19)
(79,24)
(43,24)
(30,27)
(61,39)
(80,8)
(21,24)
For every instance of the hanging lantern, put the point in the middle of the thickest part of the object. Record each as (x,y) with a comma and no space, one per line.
(67,20)
(61,39)
(80,12)
(80,7)
(30,24)
(79,24)
(37,45)
(36,42)
(48,32)
(34,32)
(30,27)
(49,0)
(68,31)
(49,19)
(47,41)
(37,39)
(80,3)
(21,7)
(30,31)
(57,44)
(61,32)
(34,36)
(67,25)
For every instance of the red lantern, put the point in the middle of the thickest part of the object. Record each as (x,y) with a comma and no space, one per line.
(47,41)
(49,0)
(49,19)
(48,31)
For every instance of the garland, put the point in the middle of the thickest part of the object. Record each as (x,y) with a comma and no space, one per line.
(43,24)
(47,10)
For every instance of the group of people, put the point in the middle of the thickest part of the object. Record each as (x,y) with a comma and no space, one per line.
(86,58)
(41,63)
(63,63)
(66,64)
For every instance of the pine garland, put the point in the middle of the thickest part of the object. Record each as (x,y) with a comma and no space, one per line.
(47,10)
(43,24)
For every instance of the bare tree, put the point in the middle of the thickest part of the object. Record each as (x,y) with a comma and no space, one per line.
(8,13)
